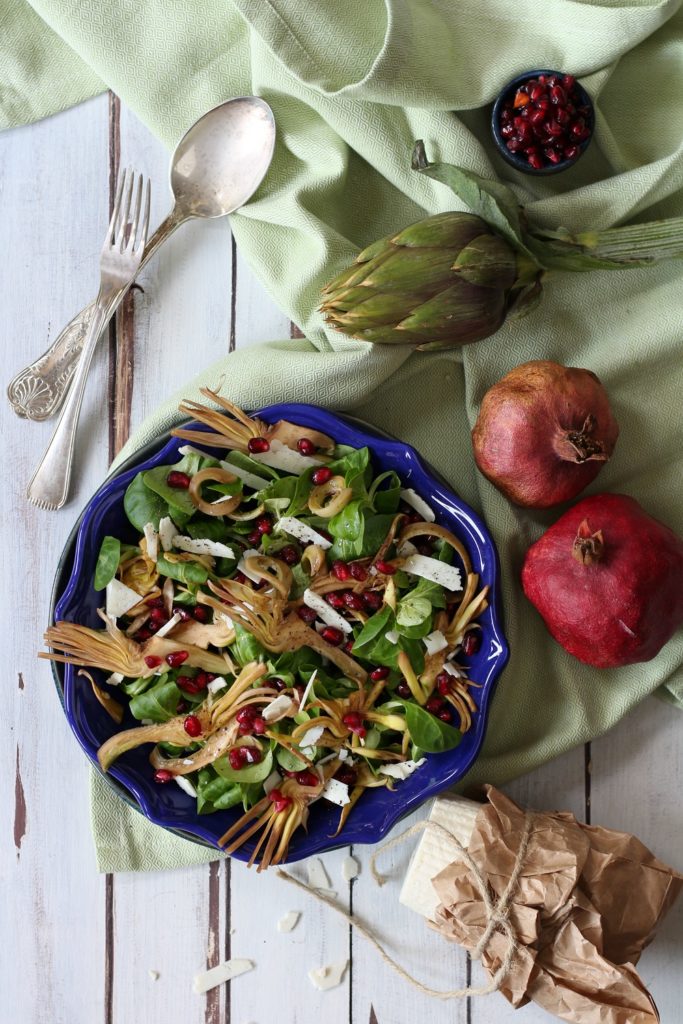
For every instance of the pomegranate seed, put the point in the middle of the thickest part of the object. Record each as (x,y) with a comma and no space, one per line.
(307,778)
(259,725)
(176,658)
(507,130)
(554,129)
(181,707)
(331,635)
(568,82)
(403,690)
(353,601)
(245,729)
(163,775)
(434,705)
(192,726)
(142,635)
(182,612)
(346,774)
(525,132)
(341,571)
(562,115)
(506,116)
(256,445)
(321,475)
(535,161)
(246,714)
(277,684)
(543,105)
(444,715)
(577,128)
(306,613)
(282,802)
(358,572)
(264,524)
(372,601)
(155,602)
(471,643)
(385,567)
(200,613)
(180,481)
(335,600)
(189,685)
(379,673)
(354,723)
(289,555)
(254,538)
(537,117)
(514,144)
(239,577)
(252,755)
(537,92)
(158,615)
(151,661)
(424,546)
(236,758)
(306,446)
(552,154)
(348,646)
(558,95)
(554,80)
(571,152)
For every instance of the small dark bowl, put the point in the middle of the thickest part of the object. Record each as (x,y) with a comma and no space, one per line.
(520,162)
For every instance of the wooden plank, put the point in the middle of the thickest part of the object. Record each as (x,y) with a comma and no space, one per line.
(637,773)
(53,189)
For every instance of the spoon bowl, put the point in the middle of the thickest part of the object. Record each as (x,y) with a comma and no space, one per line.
(222,159)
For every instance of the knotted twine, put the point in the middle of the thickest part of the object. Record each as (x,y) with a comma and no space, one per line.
(497,913)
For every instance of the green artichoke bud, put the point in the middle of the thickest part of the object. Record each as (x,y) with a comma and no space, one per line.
(444,281)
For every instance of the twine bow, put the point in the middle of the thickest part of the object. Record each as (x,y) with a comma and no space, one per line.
(497,913)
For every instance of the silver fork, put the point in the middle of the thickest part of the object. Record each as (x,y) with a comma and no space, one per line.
(119,263)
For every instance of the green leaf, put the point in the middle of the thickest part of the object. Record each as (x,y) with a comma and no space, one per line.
(372,644)
(428,732)
(386,498)
(348,524)
(246,647)
(355,468)
(157,704)
(288,761)
(412,610)
(245,462)
(249,774)
(136,686)
(191,573)
(208,528)
(432,592)
(215,793)
(107,562)
(143,505)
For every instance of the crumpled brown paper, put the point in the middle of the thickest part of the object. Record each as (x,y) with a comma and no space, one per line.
(587,903)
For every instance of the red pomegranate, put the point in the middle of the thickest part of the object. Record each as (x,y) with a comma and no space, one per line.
(543,433)
(608,580)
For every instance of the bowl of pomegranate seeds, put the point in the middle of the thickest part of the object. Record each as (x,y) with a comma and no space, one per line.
(543,122)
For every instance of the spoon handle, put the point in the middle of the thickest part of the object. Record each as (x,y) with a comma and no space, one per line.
(37,391)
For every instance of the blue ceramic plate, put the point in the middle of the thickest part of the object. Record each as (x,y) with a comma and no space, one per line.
(169,806)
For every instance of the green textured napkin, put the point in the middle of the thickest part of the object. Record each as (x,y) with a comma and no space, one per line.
(352,85)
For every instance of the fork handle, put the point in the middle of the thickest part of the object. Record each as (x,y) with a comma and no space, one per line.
(49,485)
(37,391)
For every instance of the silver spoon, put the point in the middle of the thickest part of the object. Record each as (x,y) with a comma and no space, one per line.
(216,167)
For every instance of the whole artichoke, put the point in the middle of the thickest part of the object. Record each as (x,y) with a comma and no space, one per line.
(443,281)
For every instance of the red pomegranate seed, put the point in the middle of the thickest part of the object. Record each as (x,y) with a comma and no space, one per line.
(335,600)
(358,572)
(254,538)
(245,729)
(341,571)
(307,778)
(180,481)
(535,161)
(552,154)
(192,726)
(348,646)
(278,798)
(577,129)
(264,524)
(142,635)
(306,613)
(252,755)
(568,81)
(403,690)
(306,446)
(277,684)
(379,673)
(257,445)
(289,555)
(571,152)
(182,612)
(151,661)
(562,115)
(155,602)
(239,577)
(372,601)
(331,635)
(321,475)
(346,774)
(163,775)
(246,714)
(558,95)
(200,613)
(158,615)
(236,758)
(537,92)
(353,601)
(443,683)
(471,643)
(554,80)
(434,705)
(507,130)
(181,707)
(188,684)
(554,129)
(259,725)
(536,117)
(176,658)
(385,567)
(514,144)
(444,715)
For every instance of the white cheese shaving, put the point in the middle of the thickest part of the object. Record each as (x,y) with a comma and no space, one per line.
(309,686)
(154,975)
(401,771)
(226,971)
(257,483)
(272,782)
(289,922)
(350,869)
(167,531)
(433,570)
(146,721)
(217,684)
(317,876)
(202,546)
(171,624)
(241,566)
(435,642)
(311,736)
(185,785)
(325,611)
(292,526)
(328,977)
(336,792)
(453,671)
(152,538)
(278,708)
(413,499)
(115,678)
(287,459)
(391,636)
(120,598)
(406,548)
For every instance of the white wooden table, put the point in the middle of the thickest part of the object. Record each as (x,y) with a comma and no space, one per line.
(77,947)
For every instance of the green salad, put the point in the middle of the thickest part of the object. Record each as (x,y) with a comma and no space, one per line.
(286,624)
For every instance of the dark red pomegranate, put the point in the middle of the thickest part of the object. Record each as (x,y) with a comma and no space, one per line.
(543,433)
(545,119)
(608,580)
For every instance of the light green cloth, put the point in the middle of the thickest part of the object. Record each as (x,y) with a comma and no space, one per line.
(352,85)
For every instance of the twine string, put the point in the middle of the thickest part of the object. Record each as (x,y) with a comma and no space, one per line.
(497,914)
